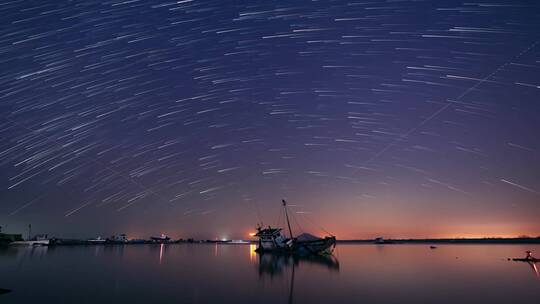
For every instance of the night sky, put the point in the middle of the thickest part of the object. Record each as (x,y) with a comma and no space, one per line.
(195,118)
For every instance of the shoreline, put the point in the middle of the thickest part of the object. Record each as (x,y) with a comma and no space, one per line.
(449,241)
(476,241)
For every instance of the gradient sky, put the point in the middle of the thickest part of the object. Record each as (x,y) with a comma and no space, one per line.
(195,118)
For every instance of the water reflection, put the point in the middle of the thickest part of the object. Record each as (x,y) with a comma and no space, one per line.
(113,250)
(529,259)
(534,268)
(276,265)
(133,274)
(252,252)
(26,251)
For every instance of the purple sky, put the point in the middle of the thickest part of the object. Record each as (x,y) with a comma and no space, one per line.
(195,118)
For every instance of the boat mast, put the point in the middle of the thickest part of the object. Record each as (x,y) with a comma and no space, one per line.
(287,216)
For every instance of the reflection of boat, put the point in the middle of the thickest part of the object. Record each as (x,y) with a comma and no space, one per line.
(275,263)
(160,239)
(272,240)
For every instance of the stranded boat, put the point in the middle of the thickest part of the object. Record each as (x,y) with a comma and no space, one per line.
(272,240)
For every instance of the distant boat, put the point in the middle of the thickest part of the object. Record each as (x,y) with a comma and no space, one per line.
(97,240)
(380,240)
(119,238)
(528,258)
(38,240)
(160,239)
(272,240)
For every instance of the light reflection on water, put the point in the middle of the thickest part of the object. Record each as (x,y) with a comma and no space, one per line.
(216,273)
(161,252)
(535,268)
(252,252)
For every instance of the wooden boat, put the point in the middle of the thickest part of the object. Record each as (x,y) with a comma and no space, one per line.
(272,240)
(306,244)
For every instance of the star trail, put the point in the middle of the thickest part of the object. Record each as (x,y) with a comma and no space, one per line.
(396,118)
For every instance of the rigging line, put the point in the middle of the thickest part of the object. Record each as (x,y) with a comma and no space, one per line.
(95,161)
(447,105)
(296,222)
(279,217)
(315,224)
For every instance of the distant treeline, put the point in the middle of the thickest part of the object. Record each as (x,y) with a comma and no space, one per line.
(527,240)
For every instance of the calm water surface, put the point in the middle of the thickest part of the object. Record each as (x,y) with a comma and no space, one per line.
(183,273)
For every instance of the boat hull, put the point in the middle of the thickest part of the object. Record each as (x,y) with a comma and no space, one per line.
(320,246)
(271,246)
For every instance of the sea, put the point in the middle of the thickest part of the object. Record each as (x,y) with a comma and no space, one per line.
(226,273)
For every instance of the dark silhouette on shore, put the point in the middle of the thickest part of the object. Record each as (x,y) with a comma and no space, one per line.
(3,291)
